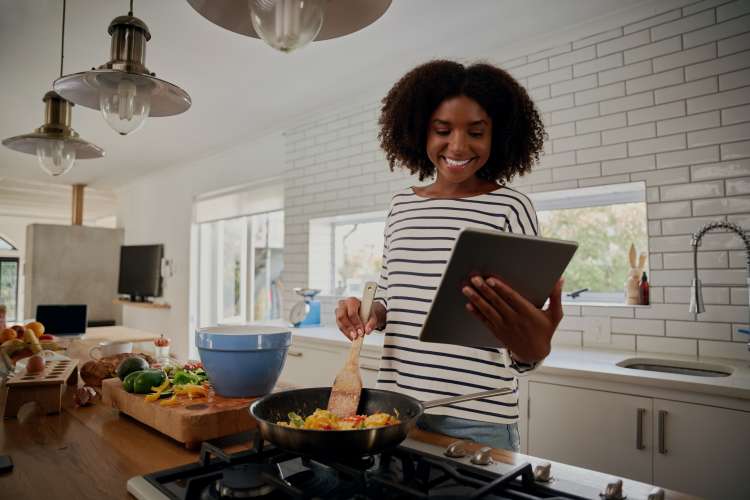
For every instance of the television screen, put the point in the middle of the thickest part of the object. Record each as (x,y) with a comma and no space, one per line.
(140,271)
(62,319)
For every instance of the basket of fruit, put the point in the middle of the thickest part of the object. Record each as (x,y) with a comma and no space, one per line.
(23,341)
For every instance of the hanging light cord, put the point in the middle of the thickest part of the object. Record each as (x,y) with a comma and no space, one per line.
(62,42)
(131,9)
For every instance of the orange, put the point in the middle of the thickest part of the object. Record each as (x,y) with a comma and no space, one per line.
(37,327)
(8,334)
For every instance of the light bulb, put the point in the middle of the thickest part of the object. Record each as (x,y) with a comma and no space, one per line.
(287,25)
(56,157)
(124,106)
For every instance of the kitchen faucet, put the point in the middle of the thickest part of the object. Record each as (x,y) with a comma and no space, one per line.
(696,296)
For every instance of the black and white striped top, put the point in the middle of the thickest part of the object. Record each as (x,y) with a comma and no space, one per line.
(419,235)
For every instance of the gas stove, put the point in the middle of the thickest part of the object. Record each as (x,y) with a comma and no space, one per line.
(412,470)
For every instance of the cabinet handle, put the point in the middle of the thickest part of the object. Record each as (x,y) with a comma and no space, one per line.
(661,424)
(639,429)
(296,354)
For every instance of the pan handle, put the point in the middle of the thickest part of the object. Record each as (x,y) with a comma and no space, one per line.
(467,397)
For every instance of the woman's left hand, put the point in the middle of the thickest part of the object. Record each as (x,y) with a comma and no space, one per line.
(524,329)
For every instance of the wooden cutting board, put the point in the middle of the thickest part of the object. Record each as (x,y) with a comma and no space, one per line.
(190,422)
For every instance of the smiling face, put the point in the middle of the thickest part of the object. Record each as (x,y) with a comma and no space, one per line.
(459,140)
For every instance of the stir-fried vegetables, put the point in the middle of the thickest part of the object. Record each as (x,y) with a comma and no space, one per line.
(325,420)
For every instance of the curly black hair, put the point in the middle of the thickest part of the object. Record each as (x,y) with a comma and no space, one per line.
(517,130)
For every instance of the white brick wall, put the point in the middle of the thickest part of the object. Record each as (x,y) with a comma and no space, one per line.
(665,100)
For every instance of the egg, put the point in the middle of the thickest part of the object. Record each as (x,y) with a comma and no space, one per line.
(35,364)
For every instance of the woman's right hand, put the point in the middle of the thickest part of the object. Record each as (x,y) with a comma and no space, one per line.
(349,322)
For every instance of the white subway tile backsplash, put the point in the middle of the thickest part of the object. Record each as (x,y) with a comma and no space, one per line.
(557,160)
(711,295)
(627,103)
(563,130)
(718,66)
(654,113)
(626,134)
(689,123)
(577,142)
(627,165)
(663,176)
(702,5)
(654,229)
(716,32)
(658,145)
(735,150)
(718,349)
(558,75)
(738,186)
(732,168)
(611,311)
(732,10)
(602,123)
(683,25)
(739,296)
(571,115)
(731,133)
(719,100)
(652,50)
(601,93)
(706,260)
(599,37)
(604,181)
(656,81)
(685,58)
(652,195)
(576,172)
(684,226)
(638,326)
(734,80)
(623,43)
(734,44)
(695,330)
(591,155)
(734,115)
(692,191)
(617,341)
(666,210)
(685,347)
(687,90)
(570,86)
(624,73)
(653,21)
(567,338)
(599,64)
(529,69)
(687,157)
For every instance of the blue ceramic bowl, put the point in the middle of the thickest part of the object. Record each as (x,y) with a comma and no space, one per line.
(243,360)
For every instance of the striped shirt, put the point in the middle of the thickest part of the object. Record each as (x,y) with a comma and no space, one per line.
(419,236)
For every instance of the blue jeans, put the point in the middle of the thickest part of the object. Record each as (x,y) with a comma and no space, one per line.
(504,436)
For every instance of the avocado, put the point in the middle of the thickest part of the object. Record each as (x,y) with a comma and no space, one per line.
(129,380)
(130,365)
(146,379)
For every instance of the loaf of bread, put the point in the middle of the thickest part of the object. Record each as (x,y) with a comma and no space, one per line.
(93,372)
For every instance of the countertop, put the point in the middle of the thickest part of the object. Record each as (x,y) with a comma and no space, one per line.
(599,364)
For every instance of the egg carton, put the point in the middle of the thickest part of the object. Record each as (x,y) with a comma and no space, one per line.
(46,387)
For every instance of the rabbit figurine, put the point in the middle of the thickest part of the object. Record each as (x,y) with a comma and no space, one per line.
(634,277)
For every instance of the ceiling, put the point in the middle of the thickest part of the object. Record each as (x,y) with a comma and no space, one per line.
(241,88)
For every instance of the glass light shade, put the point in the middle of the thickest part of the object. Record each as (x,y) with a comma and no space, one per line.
(56,157)
(287,25)
(125,106)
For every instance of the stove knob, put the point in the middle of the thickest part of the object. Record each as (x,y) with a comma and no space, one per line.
(656,494)
(613,491)
(456,450)
(542,472)
(483,456)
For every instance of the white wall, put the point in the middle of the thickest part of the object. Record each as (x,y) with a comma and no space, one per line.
(663,97)
(157,208)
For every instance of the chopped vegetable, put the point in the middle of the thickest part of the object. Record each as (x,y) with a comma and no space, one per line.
(325,420)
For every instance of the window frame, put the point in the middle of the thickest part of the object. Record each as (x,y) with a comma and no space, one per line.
(17,261)
(591,197)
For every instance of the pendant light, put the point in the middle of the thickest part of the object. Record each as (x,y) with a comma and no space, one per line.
(287,25)
(55,144)
(123,89)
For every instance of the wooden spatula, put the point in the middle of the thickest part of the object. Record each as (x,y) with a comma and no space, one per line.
(348,384)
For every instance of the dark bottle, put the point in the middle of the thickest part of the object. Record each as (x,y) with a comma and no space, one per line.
(643,290)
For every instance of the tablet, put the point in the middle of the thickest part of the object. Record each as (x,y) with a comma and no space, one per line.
(529,264)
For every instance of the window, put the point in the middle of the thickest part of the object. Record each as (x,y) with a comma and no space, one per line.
(9,286)
(239,269)
(5,244)
(605,221)
(345,252)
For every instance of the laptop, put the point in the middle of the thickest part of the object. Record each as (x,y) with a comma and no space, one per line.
(69,320)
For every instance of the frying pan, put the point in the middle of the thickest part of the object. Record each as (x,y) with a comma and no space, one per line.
(275,407)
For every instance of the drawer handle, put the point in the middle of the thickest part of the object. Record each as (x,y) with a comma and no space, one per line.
(296,354)
(639,429)
(662,428)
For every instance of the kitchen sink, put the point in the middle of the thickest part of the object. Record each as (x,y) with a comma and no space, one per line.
(694,369)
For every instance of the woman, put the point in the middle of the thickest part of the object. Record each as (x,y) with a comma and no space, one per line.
(471,129)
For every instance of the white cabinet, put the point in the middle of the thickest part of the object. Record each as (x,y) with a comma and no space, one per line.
(697,449)
(316,365)
(598,430)
(702,450)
